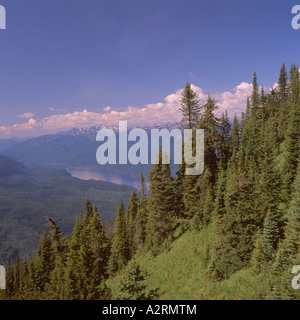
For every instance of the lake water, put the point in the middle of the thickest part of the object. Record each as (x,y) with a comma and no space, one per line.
(98,173)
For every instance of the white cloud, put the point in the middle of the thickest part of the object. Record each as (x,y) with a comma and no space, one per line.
(56,110)
(234,101)
(26,115)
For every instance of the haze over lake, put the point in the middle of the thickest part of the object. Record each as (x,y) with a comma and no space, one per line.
(99,173)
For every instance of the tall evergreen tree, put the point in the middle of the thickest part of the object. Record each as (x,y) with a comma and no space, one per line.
(131,215)
(225,143)
(160,204)
(255,93)
(141,217)
(189,107)
(45,262)
(120,249)
(235,136)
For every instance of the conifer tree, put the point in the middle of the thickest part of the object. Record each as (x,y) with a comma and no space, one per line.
(292,148)
(160,204)
(269,237)
(283,84)
(119,250)
(224,146)
(257,259)
(133,284)
(141,217)
(178,183)
(235,136)
(45,262)
(255,93)
(56,278)
(189,107)
(131,215)
(99,251)
(195,187)
(17,274)
(211,125)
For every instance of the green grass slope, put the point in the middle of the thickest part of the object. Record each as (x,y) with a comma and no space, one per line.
(180,272)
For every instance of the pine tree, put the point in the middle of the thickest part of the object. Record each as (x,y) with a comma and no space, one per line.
(289,249)
(119,250)
(17,275)
(133,284)
(195,187)
(283,84)
(292,148)
(160,204)
(255,94)
(141,217)
(55,288)
(45,262)
(131,215)
(211,125)
(236,227)
(235,136)
(178,183)
(189,107)
(99,251)
(268,184)
(257,259)
(224,146)
(269,237)
(73,272)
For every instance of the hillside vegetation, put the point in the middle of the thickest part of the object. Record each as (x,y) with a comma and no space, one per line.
(181,272)
(28,194)
(232,232)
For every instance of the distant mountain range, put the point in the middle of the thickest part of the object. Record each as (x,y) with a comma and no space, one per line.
(34,184)
(29,193)
(73,148)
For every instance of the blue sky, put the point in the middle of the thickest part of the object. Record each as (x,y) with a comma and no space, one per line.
(67,56)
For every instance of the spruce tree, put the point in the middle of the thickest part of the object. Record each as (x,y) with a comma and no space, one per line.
(161,202)
(141,217)
(255,93)
(131,215)
(45,262)
(269,237)
(119,249)
(133,284)
(235,136)
(225,143)
(189,107)
(283,84)
(55,289)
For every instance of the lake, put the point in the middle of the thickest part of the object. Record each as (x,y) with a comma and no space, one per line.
(98,173)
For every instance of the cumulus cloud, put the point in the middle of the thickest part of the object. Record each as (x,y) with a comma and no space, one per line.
(234,101)
(26,115)
(108,108)
(56,109)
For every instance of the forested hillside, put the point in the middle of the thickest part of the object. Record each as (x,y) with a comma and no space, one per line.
(29,193)
(235,227)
